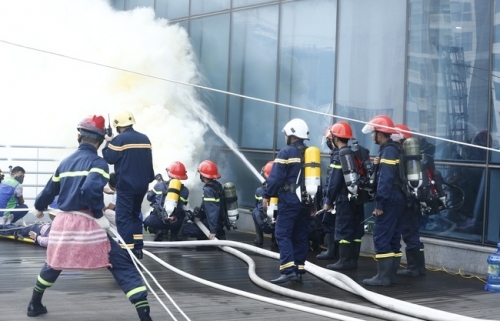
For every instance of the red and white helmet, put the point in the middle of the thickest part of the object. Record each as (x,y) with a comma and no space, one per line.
(92,125)
(208,169)
(380,123)
(177,170)
(401,135)
(266,169)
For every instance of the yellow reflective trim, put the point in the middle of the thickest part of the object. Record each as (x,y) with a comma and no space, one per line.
(337,166)
(185,200)
(398,254)
(344,242)
(211,199)
(80,173)
(135,291)
(44,282)
(258,197)
(287,265)
(129,146)
(384,256)
(332,165)
(124,246)
(287,161)
(294,160)
(138,237)
(300,267)
(389,161)
(280,160)
(357,240)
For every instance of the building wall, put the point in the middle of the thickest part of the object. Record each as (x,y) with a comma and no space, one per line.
(432,64)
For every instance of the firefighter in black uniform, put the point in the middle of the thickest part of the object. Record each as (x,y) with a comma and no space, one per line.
(294,213)
(130,152)
(211,210)
(389,202)
(263,223)
(157,222)
(79,181)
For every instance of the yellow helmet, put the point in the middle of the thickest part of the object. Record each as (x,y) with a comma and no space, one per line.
(123,119)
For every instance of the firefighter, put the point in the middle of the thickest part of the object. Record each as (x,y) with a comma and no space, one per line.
(263,223)
(346,218)
(293,212)
(210,212)
(160,222)
(130,152)
(410,224)
(79,180)
(389,201)
(328,219)
(11,196)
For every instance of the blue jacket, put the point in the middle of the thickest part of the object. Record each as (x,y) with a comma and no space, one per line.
(259,195)
(131,154)
(211,205)
(337,189)
(387,173)
(159,192)
(79,181)
(286,169)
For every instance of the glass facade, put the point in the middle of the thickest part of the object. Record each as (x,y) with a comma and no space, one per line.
(431,64)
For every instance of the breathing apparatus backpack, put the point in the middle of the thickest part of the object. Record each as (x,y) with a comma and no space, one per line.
(358,172)
(172,195)
(309,175)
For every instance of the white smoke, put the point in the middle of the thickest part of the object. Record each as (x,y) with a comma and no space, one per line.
(44,96)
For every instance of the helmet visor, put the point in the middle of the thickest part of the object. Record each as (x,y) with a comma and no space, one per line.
(368,128)
(397,136)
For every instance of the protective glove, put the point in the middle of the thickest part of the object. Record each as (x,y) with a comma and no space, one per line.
(103,223)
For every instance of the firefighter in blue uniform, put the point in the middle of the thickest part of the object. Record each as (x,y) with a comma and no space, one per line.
(410,224)
(130,152)
(328,218)
(345,222)
(263,223)
(79,181)
(293,212)
(11,196)
(210,212)
(157,222)
(389,202)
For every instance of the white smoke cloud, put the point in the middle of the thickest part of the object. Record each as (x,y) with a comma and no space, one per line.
(44,96)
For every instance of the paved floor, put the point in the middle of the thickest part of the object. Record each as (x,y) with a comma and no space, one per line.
(94,295)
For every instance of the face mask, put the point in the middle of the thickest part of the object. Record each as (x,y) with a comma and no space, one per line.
(20,179)
(329,144)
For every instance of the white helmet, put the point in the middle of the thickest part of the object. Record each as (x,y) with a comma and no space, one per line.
(298,128)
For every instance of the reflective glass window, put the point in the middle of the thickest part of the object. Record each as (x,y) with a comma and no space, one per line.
(307,65)
(253,73)
(493,219)
(371,62)
(495,79)
(449,96)
(464,216)
(131,4)
(201,7)
(172,9)
(210,39)
(244,3)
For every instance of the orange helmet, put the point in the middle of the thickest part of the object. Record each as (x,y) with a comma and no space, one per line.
(401,135)
(177,170)
(92,126)
(266,169)
(376,124)
(208,169)
(341,129)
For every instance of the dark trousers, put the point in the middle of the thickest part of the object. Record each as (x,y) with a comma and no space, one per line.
(387,228)
(128,221)
(156,223)
(410,224)
(265,226)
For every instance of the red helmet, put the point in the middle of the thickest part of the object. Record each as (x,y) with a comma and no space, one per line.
(376,124)
(177,170)
(341,129)
(401,135)
(266,169)
(93,124)
(208,169)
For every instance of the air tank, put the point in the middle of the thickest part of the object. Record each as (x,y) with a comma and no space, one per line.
(413,166)
(231,202)
(349,169)
(312,170)
(272,207)
(172,198)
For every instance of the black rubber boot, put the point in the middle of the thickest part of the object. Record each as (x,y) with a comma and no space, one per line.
(259,235)
(345,261)
(383,277)
(395,266)
(137,253)
(329,254)
(287,277)
(421,262)
(35,307)
(356,248)
(158,236)
(143,313)
(411,266)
